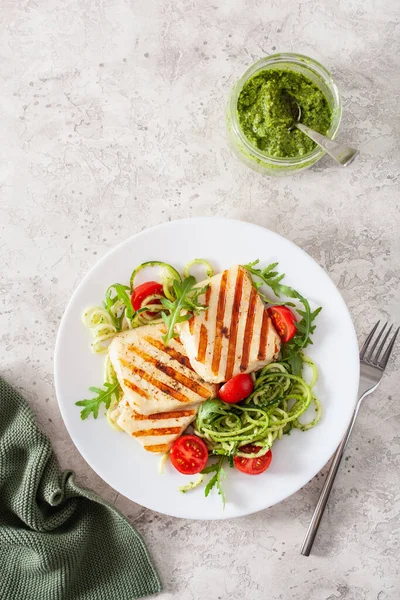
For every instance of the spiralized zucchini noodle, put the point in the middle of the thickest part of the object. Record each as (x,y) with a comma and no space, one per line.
(99,321)
(192,485)
(110,377)
(161,464)
(168,275)
(199,261)
(272,410)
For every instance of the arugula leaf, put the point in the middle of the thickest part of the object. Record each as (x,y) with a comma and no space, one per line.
(186,301)
(272,279)
(92,405)
(209,469)
(207,409)
(117,292)
(219,474)
(296,363)
(305,327)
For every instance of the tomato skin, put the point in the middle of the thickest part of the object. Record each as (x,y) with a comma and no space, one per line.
(189,454)
(143,290)
(284,322)
(236,389)
(252,466)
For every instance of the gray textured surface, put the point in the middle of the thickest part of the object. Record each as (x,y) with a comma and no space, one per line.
(112,121)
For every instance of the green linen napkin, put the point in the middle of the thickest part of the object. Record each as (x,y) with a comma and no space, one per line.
(58,541)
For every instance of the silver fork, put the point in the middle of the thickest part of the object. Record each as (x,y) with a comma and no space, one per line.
(372,367)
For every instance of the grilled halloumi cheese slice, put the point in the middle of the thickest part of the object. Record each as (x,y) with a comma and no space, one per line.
(155,432)
(156,378)
(235,335)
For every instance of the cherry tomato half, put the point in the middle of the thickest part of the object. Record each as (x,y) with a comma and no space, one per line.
(252,466)
(284,321)
(189,454)
(142,291)
(236,389)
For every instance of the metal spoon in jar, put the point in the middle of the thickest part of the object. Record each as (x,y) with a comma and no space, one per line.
(342,154)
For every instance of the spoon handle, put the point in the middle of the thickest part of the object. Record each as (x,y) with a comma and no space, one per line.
(342,154)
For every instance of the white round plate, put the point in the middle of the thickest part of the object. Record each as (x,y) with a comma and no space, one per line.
(119,460)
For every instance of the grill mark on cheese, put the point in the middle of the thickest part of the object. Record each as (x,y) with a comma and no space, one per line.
(191,324)
(173,414)
(183,360)
(251,313)
(158,431)
(230,361)
(135,389)
(207,302)
(219,323)
(193,386)
(157,448)
(203,341)
(170,391)
(262,349)
(203,338)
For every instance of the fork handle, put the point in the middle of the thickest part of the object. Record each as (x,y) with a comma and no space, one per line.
(327,487)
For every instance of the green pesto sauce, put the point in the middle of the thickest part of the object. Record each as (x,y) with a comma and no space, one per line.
(264,115)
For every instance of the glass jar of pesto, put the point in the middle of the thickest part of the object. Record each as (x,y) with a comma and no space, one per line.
(258,119)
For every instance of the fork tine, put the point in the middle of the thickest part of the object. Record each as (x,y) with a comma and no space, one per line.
(381,347)
(367,341)
(386,356)
(375,344)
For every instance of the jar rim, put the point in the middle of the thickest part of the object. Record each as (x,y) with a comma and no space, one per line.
(273,60)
